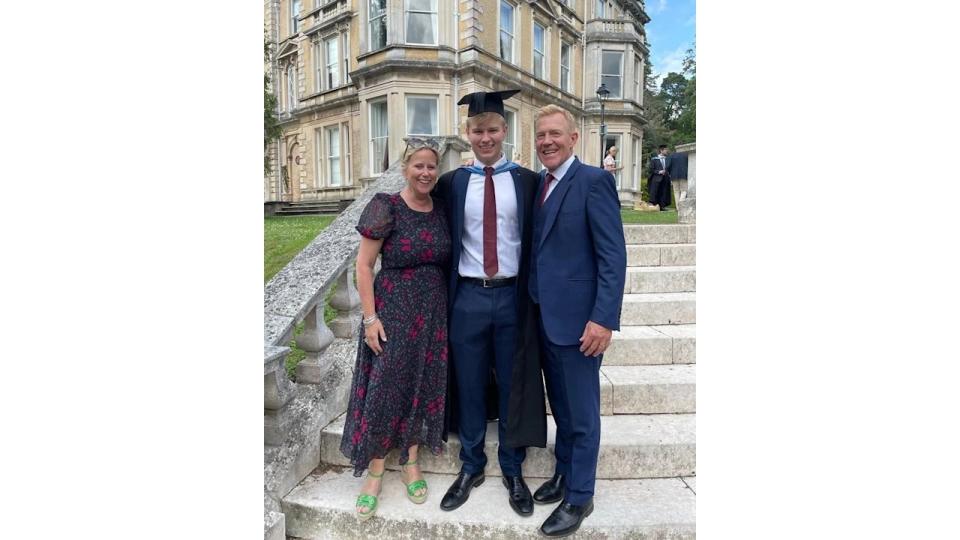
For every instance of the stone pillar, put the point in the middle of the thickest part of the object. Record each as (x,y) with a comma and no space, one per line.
(277,392)
(316,337)
(347,303)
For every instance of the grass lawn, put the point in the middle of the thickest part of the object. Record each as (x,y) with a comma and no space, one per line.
(636,216)
(283,238)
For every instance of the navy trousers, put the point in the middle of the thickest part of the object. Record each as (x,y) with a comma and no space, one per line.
(573,387)
(483,329)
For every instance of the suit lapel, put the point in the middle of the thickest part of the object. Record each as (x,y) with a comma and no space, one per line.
(556,197)
(460,180)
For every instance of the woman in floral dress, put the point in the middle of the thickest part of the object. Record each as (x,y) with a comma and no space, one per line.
(398,393)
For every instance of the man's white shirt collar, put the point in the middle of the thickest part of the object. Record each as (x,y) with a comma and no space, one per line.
(562,169)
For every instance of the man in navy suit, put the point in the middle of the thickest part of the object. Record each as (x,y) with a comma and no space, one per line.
(492,324)
(577,272)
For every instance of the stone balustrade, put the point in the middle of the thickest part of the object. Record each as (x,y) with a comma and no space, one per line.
(613,29)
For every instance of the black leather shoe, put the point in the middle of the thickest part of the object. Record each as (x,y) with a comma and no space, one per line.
(566,519)
(520,499)
(551,491)
(459,491)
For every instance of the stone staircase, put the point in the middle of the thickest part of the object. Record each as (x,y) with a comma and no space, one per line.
(646,475)
(311,208)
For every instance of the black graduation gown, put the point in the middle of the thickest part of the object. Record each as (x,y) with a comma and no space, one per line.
(526,417)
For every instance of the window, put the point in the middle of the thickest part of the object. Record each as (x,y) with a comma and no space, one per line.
(379,160)
(636,77)
(331,48)
(510,142)
(291,87)
(538,48)
(565,67)
(422,116)
(506,30)
(422,22)
(635,173)
(333,155)
(377,17)
(346,58)
(294,16)
(598,10)
(345,131)
(611,72)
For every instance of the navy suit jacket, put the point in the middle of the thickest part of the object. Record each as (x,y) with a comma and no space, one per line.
(580,255)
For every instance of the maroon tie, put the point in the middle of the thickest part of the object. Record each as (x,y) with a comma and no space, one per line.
(490,264)
(546,186)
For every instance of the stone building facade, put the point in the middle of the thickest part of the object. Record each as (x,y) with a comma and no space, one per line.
(354,77)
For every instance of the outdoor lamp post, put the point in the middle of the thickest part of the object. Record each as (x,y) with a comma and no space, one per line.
(602,94)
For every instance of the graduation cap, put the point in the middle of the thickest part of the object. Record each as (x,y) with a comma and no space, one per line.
(483,102)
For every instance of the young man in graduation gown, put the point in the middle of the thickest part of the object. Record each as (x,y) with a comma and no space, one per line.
(577,272)
(658,180)
(491,325)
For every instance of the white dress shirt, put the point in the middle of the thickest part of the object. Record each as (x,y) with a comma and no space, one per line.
(558,175)
(508,226)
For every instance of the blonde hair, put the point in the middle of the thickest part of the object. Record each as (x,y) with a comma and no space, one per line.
(556,109)
(411,150)
(476,120)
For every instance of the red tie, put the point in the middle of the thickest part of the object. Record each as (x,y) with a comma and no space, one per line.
(490,264)
(546,186)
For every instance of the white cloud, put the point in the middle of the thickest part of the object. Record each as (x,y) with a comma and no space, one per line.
(661,6)
(672,62)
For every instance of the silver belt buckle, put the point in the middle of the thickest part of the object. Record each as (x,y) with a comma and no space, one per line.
(485,283)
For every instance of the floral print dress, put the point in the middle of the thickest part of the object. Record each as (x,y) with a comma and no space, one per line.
(397,399)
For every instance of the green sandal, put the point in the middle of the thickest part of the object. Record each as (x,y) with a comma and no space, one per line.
(412,487)
(368,501)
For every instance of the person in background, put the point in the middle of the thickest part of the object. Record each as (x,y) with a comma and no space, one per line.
(398,394)
(658,181)
(610,161)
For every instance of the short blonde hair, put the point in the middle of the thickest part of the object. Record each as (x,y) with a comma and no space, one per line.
(476,120)
(411,150)
(556,109)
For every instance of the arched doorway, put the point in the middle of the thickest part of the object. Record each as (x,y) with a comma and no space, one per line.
(293,170)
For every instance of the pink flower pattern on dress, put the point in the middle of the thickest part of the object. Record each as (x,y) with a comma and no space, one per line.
(397,399)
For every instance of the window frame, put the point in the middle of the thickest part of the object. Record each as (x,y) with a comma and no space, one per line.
(295,16)
(565,78)
(511,138)
(619,94)
(512,33)
(328,73)
(292,84)
(435,20)
(372,139)
(328,156)
(542,53)
(379,20)
(435,99)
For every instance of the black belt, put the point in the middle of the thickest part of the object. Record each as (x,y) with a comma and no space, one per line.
(490,283)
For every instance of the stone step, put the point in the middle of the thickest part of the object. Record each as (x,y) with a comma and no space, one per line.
(652,345)
(652,389)
(323,507)
(661,279)
(662,255)
(650,309)
(631,446)
(680,233)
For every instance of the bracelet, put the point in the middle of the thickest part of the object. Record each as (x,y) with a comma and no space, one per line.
(369,320)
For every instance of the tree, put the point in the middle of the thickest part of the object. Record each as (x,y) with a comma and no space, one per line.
(271,124)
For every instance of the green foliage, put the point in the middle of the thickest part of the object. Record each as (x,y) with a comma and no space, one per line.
(284,237)
(671,110)
(271,124)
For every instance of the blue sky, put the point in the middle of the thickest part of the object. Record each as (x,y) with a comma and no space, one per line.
(670,33)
